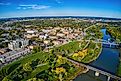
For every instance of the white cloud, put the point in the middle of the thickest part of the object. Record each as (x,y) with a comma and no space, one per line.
(18,8)
(27,5)
(58,1)
(4,3)
(34,6)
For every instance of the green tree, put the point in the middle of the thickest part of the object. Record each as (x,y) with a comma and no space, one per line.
(6,79)
(35,79)
(37,49)
(27,67)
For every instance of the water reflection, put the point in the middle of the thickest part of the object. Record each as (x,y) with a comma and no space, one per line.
(108,60)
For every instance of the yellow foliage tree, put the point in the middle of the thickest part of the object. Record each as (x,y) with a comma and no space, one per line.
(81,54)
(84,51)
(75,55)
(59,60)
(27,67)
(60,70)
(35,79)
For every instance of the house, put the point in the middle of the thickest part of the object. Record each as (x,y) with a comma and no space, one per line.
(53,37)
(60,34)
(57,28)
(29,36)
(56,42)
(43,36)
(46,41)
(31,31)
(5,34)
(46,30)
(32,46)
(66,32)
(2,51)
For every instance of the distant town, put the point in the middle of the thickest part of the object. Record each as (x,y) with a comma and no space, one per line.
(59,48)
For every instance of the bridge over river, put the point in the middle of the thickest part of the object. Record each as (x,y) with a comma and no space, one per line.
(97,70)
(105,43)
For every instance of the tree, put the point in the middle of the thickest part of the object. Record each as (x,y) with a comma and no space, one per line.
(27,67)
(60,71)
(36,49)
(61,60)
(35,79)
(6,79)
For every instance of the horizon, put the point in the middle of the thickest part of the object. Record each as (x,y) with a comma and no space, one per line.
(61,17)
(34,8)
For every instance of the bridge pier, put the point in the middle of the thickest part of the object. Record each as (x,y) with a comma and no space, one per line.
(110,45)
(97,70)
(108,78)
(97,73)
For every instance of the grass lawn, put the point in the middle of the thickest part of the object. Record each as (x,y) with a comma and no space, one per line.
(38,70)
(8,69)
(119,69)
(15,69)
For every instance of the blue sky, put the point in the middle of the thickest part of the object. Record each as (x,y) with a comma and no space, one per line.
(23,8)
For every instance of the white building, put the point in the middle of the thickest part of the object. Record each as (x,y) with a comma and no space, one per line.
(43,36)
(46,30)
(19,43)
(60,34)
(31,31)
(46,41)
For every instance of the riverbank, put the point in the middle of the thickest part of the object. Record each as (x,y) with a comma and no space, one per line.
(97,55)
(78,73)
(93,53)
(119,66)
(114,32)
(108,60)
(94,49)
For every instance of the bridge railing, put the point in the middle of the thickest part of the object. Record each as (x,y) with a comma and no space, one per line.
(112,75)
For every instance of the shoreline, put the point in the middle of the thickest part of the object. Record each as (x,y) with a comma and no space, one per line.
(79,73)
(97,55)
(118,72)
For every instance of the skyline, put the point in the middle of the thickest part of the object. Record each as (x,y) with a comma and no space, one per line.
(21,8)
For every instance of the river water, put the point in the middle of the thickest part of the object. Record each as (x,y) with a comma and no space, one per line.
(107,61)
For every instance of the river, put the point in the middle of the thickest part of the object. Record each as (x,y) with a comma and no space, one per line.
(108,61)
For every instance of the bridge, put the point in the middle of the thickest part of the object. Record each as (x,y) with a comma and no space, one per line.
(96,70)
(107,43)
(104,42)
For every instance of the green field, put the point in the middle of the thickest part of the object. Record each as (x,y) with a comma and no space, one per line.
(38,65)
(15,67)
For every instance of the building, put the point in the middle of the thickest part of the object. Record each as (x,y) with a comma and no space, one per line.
(31,33)
(56,42)
(2,51)
(46,41)
(12,55)
(29,36)
(19,43)
(43,36)
(60,34)
(46,30)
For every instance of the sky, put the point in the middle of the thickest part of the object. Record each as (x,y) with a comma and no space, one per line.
(28,8)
